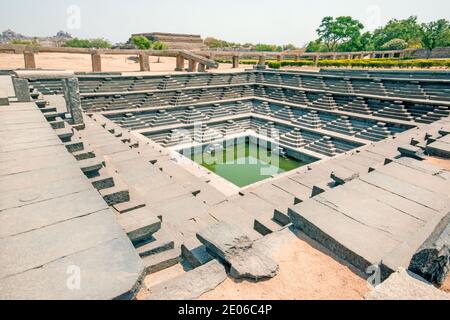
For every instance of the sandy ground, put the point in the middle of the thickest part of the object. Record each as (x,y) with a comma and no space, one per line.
(440,162)
(82,62)
(306,272)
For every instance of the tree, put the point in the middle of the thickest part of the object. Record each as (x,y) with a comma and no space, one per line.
(395,44)
(141,42)
(334,32)
(316,46)
(435,34)
(289,46)
(33,42)
(407,29)
(158,45)
(84,43)
(217,43)
(357,43)
(100,43)
(268,47)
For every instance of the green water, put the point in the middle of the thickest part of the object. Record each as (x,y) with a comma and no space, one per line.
(244,164)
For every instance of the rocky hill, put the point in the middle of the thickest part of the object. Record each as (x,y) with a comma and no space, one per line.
(53,41)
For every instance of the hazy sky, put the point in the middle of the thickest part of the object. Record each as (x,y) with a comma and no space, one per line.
(274,21)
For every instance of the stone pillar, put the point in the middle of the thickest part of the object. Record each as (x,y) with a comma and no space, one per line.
(261,62)
(316,59)
(21,89)
(96,59)
(144,62)
(235,62)
(29,60)
(180,63)
(192,65)
(201,67)
(71,91)
(279,58)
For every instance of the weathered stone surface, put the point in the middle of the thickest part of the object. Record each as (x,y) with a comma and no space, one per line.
(139,224)
(72,95)
(341,175)
(21,88)
(232,245)
(411,151)
(439,149)
(405,285)
(432,259)
(190,285)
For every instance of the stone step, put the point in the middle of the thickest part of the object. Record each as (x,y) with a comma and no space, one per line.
(57,124)
(266,226)
(74,146)
(159,242)
(41,103)
(191,284)
(51,116)
(102,182)
(161,261)
(195,253)
(90,167)
(139,224)
(65,134)
(281,217)
(124,207)
(84,154)
(115,195)
(48,109)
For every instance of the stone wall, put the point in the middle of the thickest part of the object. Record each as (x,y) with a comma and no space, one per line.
(438,53)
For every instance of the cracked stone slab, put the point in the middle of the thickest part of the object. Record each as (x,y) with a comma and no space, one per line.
(432,259)
(190,285)
(405,285)
(231,244)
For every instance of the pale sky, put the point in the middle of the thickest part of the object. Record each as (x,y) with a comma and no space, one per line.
(275,21)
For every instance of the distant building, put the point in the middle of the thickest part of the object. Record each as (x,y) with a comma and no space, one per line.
(175,40)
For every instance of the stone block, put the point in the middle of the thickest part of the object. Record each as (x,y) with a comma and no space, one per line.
(342,175)
(190,285)
(232,245)
(432,259)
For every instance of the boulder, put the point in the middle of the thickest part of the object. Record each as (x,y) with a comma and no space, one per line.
(432,259)
(232,245)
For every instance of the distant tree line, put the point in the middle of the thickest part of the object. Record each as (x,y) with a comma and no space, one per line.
(214,43)
(344,34)
(85,43)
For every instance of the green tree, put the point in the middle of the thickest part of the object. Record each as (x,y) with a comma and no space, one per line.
(435,34)
(158,45)
(289,46)
(33,42)
(100,43)
(357,43)
(334,32)
(268,47)
(141,42)
(217,43)
(407,29)
(84,43)
(316,46)
(395,44)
